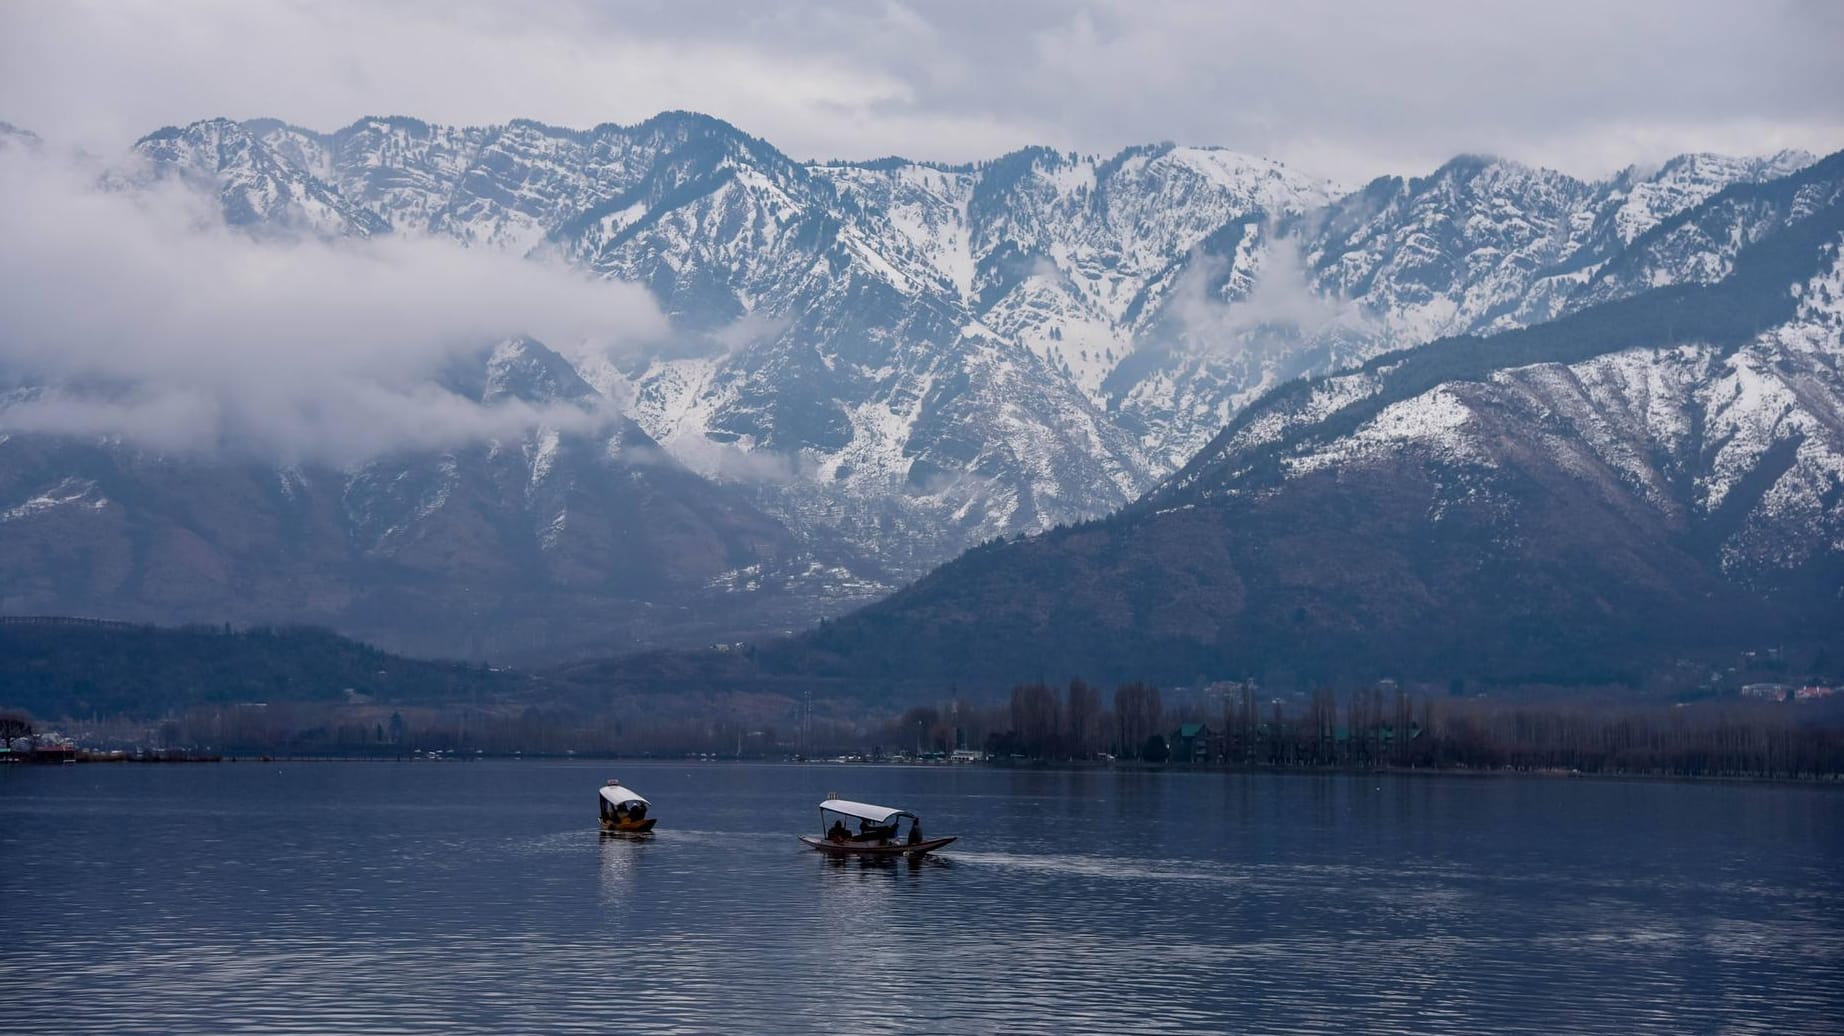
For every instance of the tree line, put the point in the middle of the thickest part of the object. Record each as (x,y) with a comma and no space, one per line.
(1235,726)
(1385,727)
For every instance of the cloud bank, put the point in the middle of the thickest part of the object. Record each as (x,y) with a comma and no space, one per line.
(1280,302)
(153,321)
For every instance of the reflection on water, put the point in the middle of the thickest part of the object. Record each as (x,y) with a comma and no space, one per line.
(621,861)
(439,898)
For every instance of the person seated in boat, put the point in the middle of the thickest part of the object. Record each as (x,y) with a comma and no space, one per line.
(636,812)
(838,832)
(869,832)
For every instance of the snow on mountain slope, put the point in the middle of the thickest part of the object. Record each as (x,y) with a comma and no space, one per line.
(895,360)
(1442,254)
(1699,244)
(926,206)
(1110,225)
(1748,442)
(1480,245)
(1567,503)
(1785,393)
(1069,256)
(1636,203)
(1106,271)
(256,187)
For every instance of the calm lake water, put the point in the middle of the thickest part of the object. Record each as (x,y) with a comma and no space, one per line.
(435,897)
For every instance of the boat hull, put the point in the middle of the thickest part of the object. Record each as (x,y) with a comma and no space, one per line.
(873,849)
(625,827)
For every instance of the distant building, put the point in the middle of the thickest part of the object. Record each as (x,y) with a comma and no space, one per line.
(1191,744)
(54,753)
(1812,692)
(967,755)
(1766,691)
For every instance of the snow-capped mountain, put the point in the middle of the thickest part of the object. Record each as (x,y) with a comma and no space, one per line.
(1478,246)
(1740,217)
(891,361)
(258,187)
(1651,481)
(940,355)
(858,388)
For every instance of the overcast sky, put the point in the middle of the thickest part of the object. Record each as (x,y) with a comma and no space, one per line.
(1346,90)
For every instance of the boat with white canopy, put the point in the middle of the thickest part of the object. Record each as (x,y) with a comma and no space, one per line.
(879,830)
(623,810)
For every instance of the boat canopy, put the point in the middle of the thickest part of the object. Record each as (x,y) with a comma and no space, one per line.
(864,810)
(620,795)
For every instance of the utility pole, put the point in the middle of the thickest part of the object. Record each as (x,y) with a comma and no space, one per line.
(806,723)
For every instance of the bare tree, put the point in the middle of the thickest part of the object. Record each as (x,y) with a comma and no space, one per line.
(1082,717)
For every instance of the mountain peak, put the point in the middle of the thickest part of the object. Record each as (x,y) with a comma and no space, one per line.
(525,369)
(259,189)
(1464,166)
(679,118)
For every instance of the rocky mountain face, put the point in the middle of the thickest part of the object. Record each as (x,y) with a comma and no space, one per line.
(1477,246)
(1656,477)
(877,365)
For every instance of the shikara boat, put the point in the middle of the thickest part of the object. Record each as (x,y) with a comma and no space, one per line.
(624,812)
(879,831)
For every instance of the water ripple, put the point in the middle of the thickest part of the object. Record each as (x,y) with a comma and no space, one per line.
(406,899)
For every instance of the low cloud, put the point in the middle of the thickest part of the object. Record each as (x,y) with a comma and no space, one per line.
(731,463)
(750,329)
(1279,300)
(147,318)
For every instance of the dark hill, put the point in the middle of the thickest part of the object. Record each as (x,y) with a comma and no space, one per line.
(57,668)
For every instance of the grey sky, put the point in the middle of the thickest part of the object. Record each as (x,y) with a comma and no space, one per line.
(1346,90)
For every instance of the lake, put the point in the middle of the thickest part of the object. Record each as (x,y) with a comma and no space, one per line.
(436,897)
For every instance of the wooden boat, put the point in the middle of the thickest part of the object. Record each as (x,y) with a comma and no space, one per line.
(879,831)
(624,812)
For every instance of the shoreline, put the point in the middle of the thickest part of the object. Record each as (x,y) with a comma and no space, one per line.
(1063,766)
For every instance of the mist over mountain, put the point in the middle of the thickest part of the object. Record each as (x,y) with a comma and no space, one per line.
(733,391)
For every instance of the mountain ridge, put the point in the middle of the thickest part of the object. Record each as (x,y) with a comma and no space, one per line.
(1597,505)
(895,360)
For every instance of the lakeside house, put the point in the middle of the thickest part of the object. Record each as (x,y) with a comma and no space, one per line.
(1191,744)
